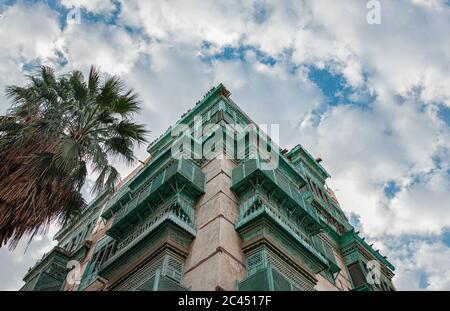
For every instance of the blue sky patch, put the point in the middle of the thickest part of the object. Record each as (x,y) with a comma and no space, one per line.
(261,11)
(391,189)
(444,114)
(236,53)
(337,90)
(423,281)
(63,11)
(32,66)
(355,221)
(327,85)
(334,86)
(446,236)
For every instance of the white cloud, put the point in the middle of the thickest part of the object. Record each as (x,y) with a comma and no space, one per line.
(367,148)
(318,32)
(363,148)
(109,47)
(96,6)
(406,51)
(14,265)
(269,94)
(186,21)
(28,33)
(422,265)
(423,207)
(38,28)
(432,4)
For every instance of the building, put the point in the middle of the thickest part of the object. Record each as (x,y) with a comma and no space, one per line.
(205,220)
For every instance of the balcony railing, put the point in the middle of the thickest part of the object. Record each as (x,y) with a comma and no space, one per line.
(56,256)
(267,279)
(365,288)
(176,213)
(351,243)
(278,185)
(328,252)
(333,211)
(259,210)
(118,199)
(161,282)
(251,205)
(180,175)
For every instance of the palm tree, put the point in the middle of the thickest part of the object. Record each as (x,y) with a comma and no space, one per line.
(57,129)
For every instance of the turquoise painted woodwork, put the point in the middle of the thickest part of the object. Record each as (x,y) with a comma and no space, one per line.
(48,274)
(161,282)
(277,186)
(357,253)
(285,214)
(352,240)
(266,279)
(180,176)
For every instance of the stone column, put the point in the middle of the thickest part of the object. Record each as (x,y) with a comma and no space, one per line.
(215,259)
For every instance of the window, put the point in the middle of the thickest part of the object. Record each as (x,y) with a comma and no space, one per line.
(104,249)
(255,262)
(87,231)
(72,245)
(173,269)
(357,274)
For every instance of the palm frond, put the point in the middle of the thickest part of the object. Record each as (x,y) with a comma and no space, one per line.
(94,79)
(120,147)
(126,105)
(130,130)
(109,91)
(68,155)
(57,128)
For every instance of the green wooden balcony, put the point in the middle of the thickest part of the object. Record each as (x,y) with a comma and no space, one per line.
(326,251)
(180,175)
(266,279)
(330,209)
(365,288)
(263,210)
(119,199)
(249,174)
(176,212)
(139,239)
(87,215)
(357,254)
(352,244)
(49,273)
(161,282)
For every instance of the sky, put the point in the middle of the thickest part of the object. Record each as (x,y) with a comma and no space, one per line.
(372,100)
